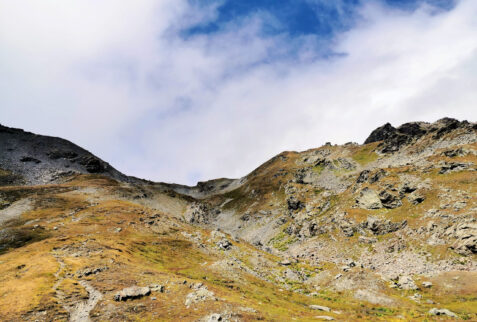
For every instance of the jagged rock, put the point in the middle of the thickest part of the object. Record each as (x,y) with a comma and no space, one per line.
(369,199)
(224,244)
(466,235)
(320,308)
(294,204)
(90,271)
(133,292)
(92,164)
(454,166)
(363,176)
(381,227)
(381,133)
(347,228)
(446,125)
(415,198)
(389,200)
(309,229)
(455,152)
(367,176)
(394,138)
(376,176)
(324,317)
(436,311)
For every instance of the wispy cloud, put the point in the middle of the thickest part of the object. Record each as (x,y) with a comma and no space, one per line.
(123,80)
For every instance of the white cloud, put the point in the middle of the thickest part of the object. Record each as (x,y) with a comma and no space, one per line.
(115,77)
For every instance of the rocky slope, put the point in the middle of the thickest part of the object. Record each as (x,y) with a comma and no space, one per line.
(385,231)
(36,159)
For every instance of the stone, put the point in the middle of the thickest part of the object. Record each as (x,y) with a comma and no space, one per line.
(394,138)
(381,133)
(381,227)
(90,271)
(369,199)
(131,293)
(437,312)
(294,204)
(416,297)
(406,283)
(157,288)
(92,164)
(224,244)
(427,284)
(389,200)
(363,176)
(320,308)
(324,317)
(214,317)
(454,166)
(466,239)
(415,198)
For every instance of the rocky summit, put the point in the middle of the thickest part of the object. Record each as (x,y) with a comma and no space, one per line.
(382,231)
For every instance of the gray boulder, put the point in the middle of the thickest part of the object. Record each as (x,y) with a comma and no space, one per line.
(369,199)
(320,308)
(446,312)
(133,292)
(406,283)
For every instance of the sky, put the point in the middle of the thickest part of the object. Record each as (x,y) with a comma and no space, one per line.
(190,90)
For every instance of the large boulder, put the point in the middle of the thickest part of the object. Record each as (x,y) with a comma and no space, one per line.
(369,199)
(131,293)
(389,200)
(466,235)
(436,311)
(380,226)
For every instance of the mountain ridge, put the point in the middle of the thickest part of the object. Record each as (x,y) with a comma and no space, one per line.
(385,231)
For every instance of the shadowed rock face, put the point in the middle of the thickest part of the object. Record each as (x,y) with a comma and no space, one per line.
(38,159)
(394,138)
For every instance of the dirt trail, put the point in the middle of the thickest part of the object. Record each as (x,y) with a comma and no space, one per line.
(81,311)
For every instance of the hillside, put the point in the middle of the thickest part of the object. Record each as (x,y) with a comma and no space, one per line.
(383,231)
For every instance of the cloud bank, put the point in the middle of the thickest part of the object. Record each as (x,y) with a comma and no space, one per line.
(128,82)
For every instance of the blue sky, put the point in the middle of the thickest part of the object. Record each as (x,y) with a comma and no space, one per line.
(187,90)
(300,17)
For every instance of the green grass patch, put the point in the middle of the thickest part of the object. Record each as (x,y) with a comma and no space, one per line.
(365,155)
(282,241)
